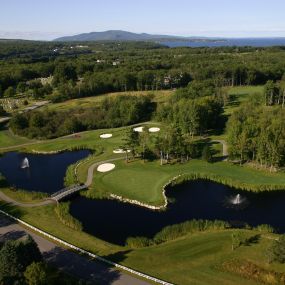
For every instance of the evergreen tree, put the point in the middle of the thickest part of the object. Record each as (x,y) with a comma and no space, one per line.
(37,274)
(10,266)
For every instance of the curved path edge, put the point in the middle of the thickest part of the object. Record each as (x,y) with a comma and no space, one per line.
(92,167)
(47,201)
(7,199)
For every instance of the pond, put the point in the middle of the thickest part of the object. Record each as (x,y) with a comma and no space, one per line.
(114,221)
(45,173)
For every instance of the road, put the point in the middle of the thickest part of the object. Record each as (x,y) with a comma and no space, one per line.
(35,106)
(90,270)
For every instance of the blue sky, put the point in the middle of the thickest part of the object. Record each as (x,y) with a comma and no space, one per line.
(47,19)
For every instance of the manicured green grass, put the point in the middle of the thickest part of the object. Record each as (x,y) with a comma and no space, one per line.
(217,149)
(7,139)
(24,196)
(89,139)
(159,96)
(192,259)
(197,258)
(239,94)
(144,181)
(45,218)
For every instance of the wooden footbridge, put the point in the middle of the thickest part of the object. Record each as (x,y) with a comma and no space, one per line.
(65,192)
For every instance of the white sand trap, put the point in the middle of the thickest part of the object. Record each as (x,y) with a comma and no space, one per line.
(138,129)
(106,136)
(119,150)
(105,167)
(154,130)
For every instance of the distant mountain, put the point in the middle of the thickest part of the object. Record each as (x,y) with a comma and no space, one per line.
(117,35)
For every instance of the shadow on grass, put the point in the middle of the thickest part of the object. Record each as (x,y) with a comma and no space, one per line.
(11,209)
(118,256)
(252,240)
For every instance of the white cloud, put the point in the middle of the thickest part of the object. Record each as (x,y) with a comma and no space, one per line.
(32,35)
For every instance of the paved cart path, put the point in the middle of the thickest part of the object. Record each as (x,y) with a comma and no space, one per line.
(68,261)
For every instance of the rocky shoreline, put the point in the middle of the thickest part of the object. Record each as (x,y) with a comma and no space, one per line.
(151,207)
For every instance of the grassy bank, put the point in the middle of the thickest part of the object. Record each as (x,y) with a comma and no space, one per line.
(62,211)
(144,181)
(24,196)
(46,219)
(9,140)
(196,258)
(158,96)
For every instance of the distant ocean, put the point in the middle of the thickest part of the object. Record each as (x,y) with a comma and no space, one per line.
(254,42)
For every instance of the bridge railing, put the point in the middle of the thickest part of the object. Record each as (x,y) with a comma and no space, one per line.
(64,190)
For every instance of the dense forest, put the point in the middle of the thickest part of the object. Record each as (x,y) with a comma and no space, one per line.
(257,133)
(79,70)
(116,112)
(200,78)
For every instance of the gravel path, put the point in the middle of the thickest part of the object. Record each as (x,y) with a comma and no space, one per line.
(225,147)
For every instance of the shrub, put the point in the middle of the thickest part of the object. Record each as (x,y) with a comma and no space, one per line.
(138,242)
(174,231)
(207,154)
(3,181)
(62,211)
(36,274)
(226,181)
(277,251)
(264,228)
(252,271)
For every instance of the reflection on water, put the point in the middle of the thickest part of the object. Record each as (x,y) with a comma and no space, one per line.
(41,173)
(114,221)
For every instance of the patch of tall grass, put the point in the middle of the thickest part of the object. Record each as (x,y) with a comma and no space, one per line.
(178,230)
(226,181)
(62,211)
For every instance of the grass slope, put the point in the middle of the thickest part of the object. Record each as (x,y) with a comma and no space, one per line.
(45,218)
(196,259)
(240,94)
(144,181)
(87,102)
(192,259)
(7,139)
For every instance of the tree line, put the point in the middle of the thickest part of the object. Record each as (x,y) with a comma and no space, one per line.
(112,112)
(195,111)
(21,262)
(109,67)
(256,133)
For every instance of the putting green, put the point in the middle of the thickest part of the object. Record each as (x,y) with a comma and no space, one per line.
(144,181)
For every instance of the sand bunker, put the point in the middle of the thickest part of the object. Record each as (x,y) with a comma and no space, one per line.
(138,129)
(106,136)
(105,167)
(119,150)
(154,130)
